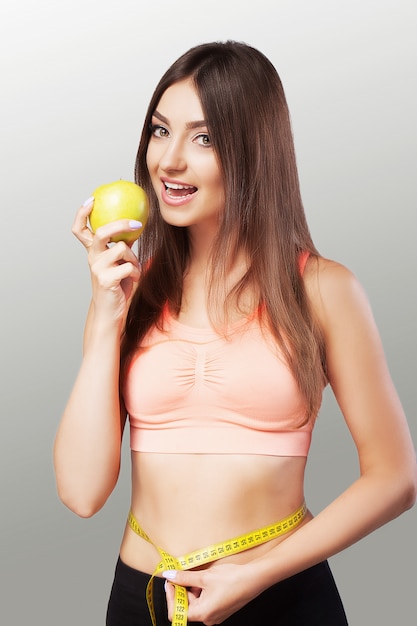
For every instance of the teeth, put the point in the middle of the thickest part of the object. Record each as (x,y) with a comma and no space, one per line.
(176,186)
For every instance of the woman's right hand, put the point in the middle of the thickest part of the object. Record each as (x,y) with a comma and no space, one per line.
(114,268)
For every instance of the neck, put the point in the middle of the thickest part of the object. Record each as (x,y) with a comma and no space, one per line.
(201,245)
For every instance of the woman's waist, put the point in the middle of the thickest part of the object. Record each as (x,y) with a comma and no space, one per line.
(140,550)
(176,491)
(189,494)
(186,502)
(157,476)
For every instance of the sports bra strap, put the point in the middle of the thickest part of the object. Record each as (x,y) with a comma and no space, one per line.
(302,260)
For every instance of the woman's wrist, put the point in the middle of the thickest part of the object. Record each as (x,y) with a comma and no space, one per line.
(103,331)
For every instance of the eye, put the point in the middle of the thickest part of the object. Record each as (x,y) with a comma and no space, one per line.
(203,139)
(159,131)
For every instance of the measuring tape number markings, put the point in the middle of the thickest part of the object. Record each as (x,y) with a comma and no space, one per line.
(208,555)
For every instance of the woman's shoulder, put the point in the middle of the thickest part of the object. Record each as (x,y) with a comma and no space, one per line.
(333,289)
(324,269)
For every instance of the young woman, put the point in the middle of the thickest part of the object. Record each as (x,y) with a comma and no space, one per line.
(217,341)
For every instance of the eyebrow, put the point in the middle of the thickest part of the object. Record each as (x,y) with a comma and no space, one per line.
(188,126)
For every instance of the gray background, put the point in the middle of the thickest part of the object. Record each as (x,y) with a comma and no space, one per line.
(76,77)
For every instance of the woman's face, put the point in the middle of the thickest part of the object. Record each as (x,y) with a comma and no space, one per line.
(182,164)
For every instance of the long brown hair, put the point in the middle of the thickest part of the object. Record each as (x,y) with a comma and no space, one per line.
(249,127)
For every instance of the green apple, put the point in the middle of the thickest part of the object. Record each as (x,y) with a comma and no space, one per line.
(120,200)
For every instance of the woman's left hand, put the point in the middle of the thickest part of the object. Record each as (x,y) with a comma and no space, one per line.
(214,594)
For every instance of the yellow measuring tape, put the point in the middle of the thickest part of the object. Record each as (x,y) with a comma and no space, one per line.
(209,554)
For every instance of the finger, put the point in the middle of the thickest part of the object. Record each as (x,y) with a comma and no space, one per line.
(106,233)
(194,578)
(113,276)
(114,256)
(117,254)
(170,594)
(80,225)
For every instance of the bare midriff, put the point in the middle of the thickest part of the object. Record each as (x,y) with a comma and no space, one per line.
(188,501)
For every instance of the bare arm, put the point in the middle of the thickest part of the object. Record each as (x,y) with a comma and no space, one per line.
(387,483)
(88,441)
(362,385)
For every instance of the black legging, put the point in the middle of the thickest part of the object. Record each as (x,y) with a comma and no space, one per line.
(309,598)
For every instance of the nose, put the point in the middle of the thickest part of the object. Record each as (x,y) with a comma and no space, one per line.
(173,156)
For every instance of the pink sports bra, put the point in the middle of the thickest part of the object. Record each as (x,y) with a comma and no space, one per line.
(190,390)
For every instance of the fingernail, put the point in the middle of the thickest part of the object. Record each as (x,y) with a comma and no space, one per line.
(135,224)
(165,585)
(89,200)
(170,574)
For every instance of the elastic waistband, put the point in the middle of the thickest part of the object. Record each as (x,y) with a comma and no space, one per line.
(130,577)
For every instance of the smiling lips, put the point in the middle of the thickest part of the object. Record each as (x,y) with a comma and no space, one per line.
(175,190)
(177,193)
